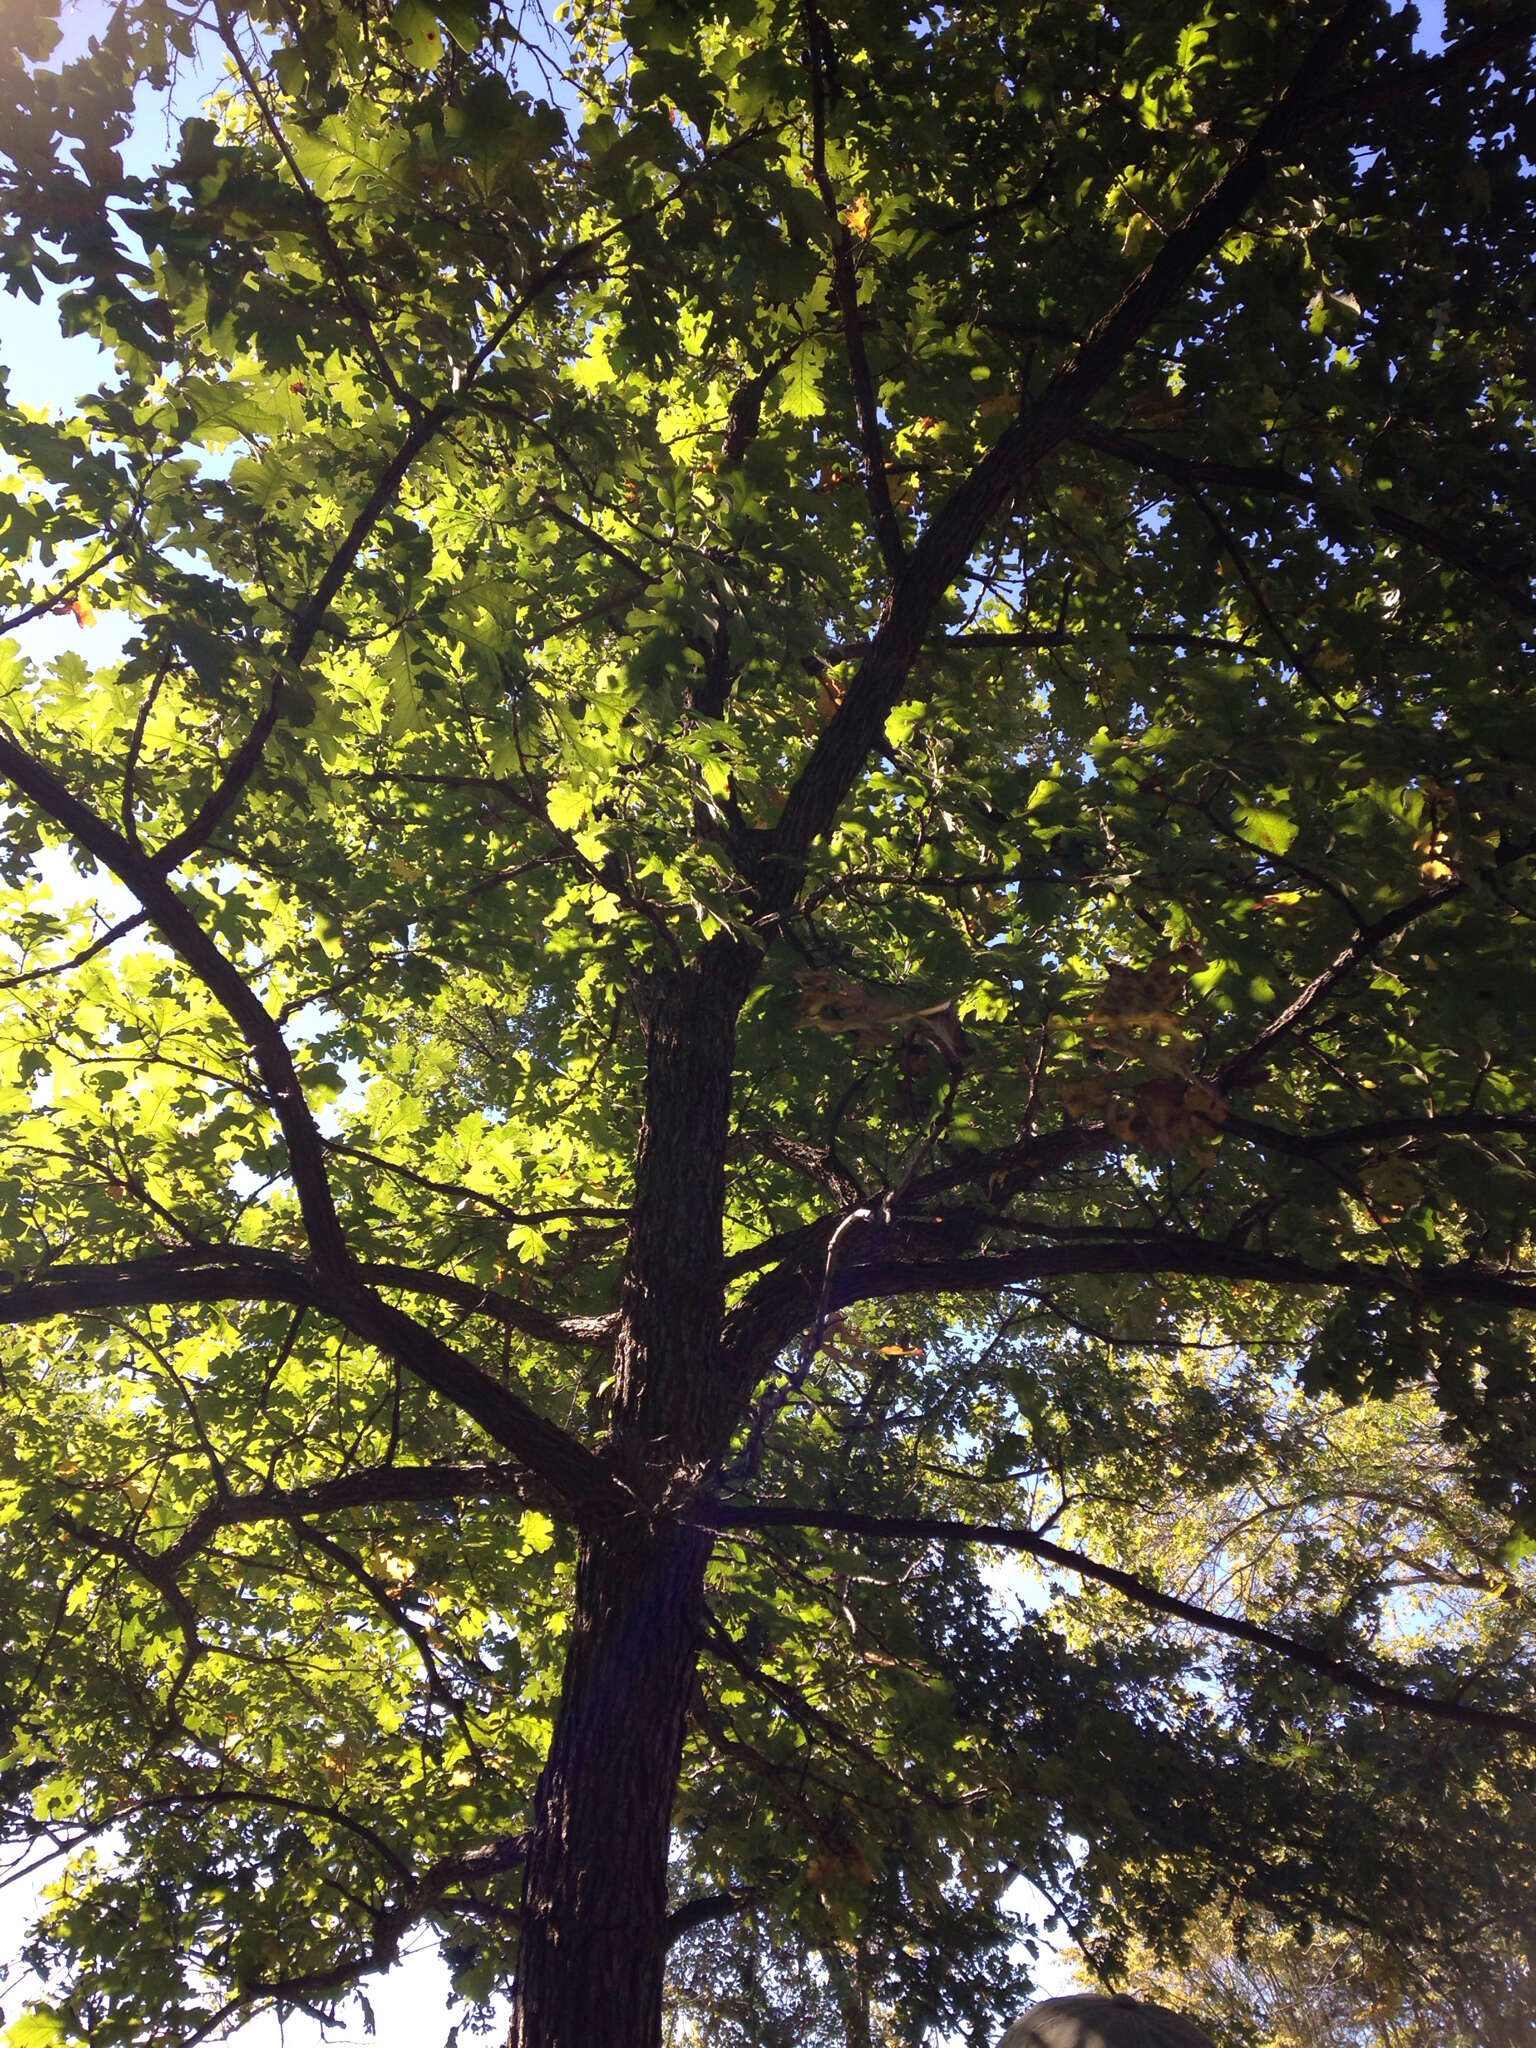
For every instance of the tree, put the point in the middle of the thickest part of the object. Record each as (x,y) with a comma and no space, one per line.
(1280,1993)
(1208,1474)
(1369,1488)
(822,772)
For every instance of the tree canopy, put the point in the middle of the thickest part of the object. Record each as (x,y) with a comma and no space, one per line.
(1267,1989)
(765,1041)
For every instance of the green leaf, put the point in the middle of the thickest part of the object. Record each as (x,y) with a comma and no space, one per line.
(36,2029)
(904,721)
(567,807)
(802,398)
(1270,829)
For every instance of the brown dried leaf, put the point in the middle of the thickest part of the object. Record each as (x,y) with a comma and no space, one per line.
(1085,1097)
(1136,1013)
(1171,1114)
(835,1005)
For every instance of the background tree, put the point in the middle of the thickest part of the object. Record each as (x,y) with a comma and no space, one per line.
(1273,1990)
(810,863)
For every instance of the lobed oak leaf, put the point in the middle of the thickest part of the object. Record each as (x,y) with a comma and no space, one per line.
(835,1005)
(1171,1114)
(1085,1097)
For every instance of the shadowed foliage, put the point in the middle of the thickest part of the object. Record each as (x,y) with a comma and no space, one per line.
(769,800)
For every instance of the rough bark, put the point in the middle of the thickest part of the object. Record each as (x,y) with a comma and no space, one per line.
(669,1411)
(594,1921)
(594,1933)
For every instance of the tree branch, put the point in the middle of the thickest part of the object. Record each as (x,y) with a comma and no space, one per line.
(460,1191)
(301,638)
(505,1309)
(1218,642)
(218,974)
(1249,1065)
(811,1162)
(845,286)
(584,1487)
(320,220)
(940,556)
(583,1482)
(1270,480)
(723,1516)
(1418,1129)
(1154,1252)
(178,1279)
(379,1486)
(778,1307)
(426,423)
(1410,83)
(390,1926)
(587,1489)
(714,1906)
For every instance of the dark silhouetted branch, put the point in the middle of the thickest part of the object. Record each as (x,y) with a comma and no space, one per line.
(904,1528)
(1195,474)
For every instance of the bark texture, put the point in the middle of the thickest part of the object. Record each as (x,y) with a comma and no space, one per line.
(593,1937)
(594,1921)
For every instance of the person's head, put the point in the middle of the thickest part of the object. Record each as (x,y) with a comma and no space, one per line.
(1093,2019)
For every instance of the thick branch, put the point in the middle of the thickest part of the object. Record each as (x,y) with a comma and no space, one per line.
(1155,1252)
(950,539)
(780,1304)
(699,1912)
(1249,1066)
(1417,1130)
(584,1484)
(778,1308)
(1364,1684)
(381,1486)
(176,1280)
(588,1490)
(812,1162)
(218,974)
(581,1483)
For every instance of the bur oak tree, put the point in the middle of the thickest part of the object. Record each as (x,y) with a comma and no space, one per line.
(775,930)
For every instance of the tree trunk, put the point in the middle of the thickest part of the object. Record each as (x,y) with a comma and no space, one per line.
(592,1939)
(852,1995)
(592,1944)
